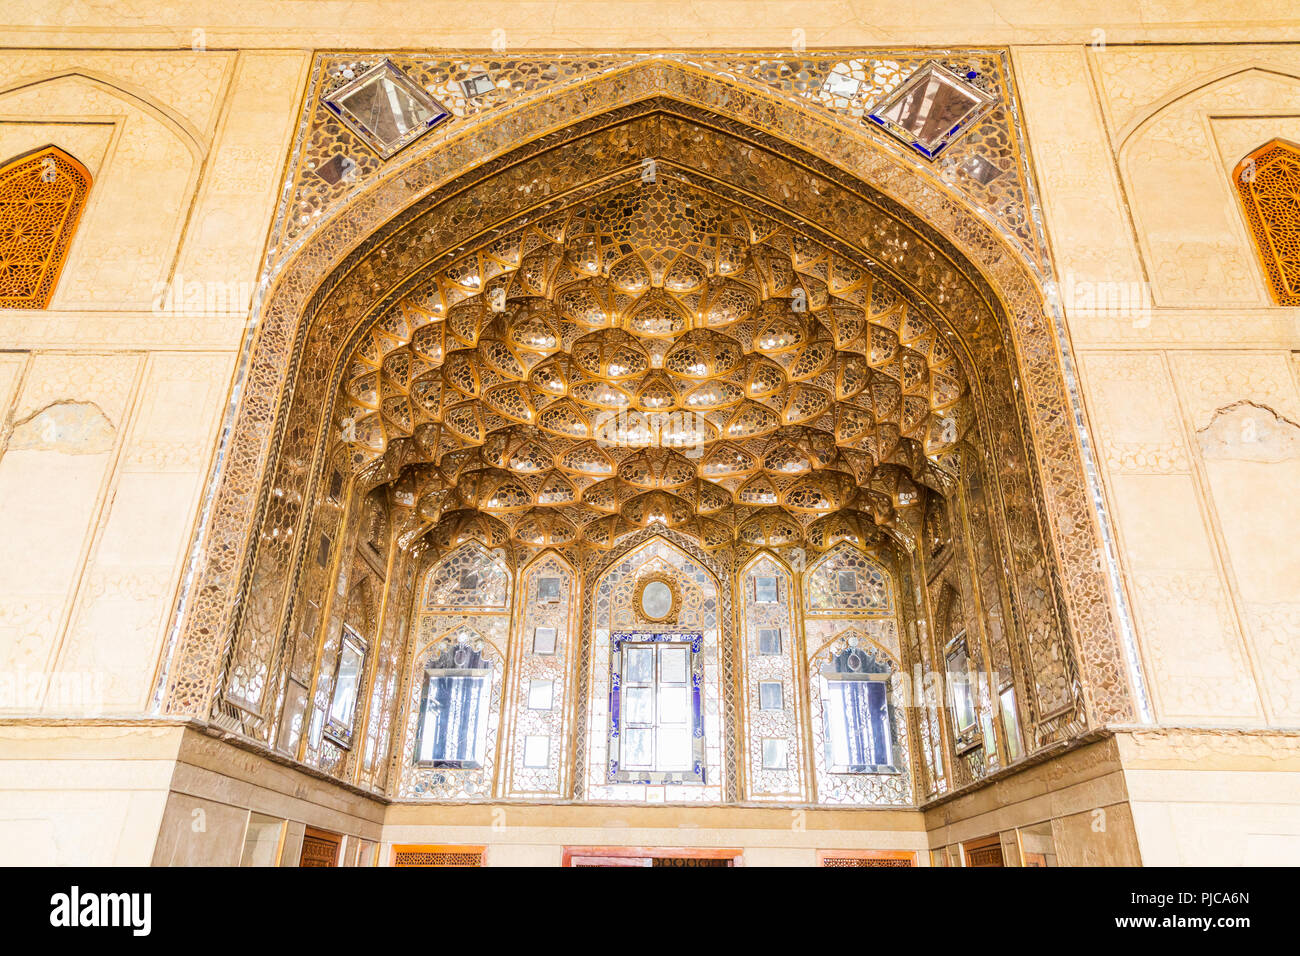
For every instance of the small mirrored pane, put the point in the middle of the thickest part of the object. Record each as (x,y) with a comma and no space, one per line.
(295,707)
(656,600)
(961,692)
(848,581)
(387,108)
(673,706)
(537,750)
(765,589)
(477,85)
(674,748)
(1011,723)
(771,696)
(769,640)
(540,693)
(775,751)
(672,664)
(544,640)
(548,590)
(345,687)
(930,107)
(638,748)
(638,664)
(638,705)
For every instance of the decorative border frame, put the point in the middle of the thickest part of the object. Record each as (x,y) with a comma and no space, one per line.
(670,617)
(699,773)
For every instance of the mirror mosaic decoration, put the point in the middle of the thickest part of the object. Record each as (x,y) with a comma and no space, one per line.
(619,414)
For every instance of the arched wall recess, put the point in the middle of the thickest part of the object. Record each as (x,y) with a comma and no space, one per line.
(1199,253)
(148,142)
(1267,182)
(42,197)
(957,266)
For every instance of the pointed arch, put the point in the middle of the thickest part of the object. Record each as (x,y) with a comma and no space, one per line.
(327,295)
(872,583)
(134,96)
(1267,180)
(42,197)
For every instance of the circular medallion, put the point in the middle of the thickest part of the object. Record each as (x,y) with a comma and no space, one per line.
(656,598)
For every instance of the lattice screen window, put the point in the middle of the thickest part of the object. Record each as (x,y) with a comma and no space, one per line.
(42,196)
(847,858)
(1268,185)
(437,855)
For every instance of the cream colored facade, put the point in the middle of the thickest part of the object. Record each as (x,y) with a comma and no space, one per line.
(1135,116)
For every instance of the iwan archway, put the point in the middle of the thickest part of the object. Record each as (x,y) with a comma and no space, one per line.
(653,333)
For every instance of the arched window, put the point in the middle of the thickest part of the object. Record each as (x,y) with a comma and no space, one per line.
(42,195)
(1268,182)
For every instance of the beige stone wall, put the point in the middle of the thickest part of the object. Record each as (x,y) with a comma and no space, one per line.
(1214,799)
(1080,795)
(135,794)
(83,795)
(110,401)
(1187,369)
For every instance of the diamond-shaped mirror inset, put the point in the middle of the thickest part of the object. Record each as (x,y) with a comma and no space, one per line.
(386,108)
(931,109)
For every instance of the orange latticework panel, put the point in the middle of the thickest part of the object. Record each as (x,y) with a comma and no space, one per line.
(848,858)
(437,856)
(843,861)
(42,195)
(1268,183)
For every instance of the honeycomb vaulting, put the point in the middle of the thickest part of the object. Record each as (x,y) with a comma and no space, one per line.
(652,357)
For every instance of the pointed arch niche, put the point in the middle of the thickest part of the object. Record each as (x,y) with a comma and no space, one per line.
(891,356)
(1267,183)
(42,197)
(452,698)
(700,620)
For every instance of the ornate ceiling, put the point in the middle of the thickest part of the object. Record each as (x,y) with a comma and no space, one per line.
(653,356)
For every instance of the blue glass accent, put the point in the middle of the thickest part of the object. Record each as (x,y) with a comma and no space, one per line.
(695,640)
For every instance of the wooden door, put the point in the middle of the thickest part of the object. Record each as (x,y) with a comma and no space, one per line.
(319,848)
(984,852)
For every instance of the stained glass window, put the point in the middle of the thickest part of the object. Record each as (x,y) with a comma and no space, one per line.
(42,196)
